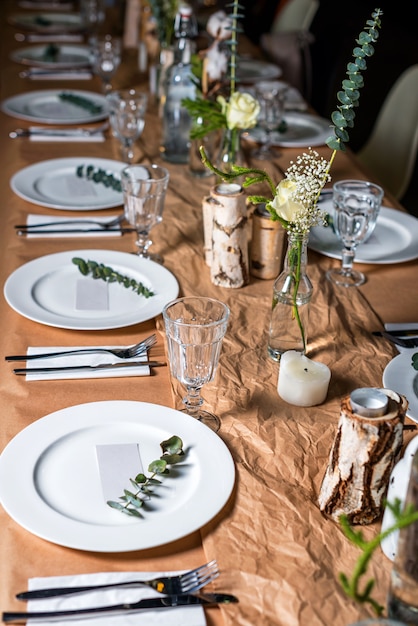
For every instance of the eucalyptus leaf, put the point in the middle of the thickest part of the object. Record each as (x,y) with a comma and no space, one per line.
(106,273)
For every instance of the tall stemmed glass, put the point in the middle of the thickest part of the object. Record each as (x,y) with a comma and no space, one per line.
(126,114)
(144,188)
(356,209)
(271,97)
(106,57)
(195,327)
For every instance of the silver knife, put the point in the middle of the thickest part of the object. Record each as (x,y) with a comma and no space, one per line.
(149,603)
(76,368)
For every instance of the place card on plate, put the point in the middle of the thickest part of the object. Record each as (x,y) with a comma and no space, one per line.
(118,462)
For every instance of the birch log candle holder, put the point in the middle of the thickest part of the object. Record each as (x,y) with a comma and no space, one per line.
(365,449)
(226,235)
(268,245)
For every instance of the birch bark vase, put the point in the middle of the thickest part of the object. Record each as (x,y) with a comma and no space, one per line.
(362,457)
(229,265)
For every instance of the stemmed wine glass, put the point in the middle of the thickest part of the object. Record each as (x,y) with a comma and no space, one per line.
(144,188)
(356,209)
(106,57)
(126,114)
(271,97)
(195,327)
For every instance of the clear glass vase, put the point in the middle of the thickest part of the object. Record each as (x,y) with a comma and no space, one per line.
(230,152)
(292,292)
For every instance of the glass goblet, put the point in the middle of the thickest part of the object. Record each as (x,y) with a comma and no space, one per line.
(195,328)
(271,97)
(356,209)
(126,114)
(144,188)
(106,58)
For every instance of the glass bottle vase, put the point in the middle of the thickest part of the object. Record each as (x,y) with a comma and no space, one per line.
(230,152)
(292,292)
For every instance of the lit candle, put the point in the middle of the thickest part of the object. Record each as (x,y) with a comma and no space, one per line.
(302,382)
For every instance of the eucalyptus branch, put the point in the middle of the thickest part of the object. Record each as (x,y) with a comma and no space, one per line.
(351,585)
(81,101)
(144,486)
(415,361)
(99,176)
(233,42)
(343,117)
(109,275)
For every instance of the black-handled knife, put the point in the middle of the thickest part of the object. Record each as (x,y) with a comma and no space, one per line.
(74,368)
(207,599)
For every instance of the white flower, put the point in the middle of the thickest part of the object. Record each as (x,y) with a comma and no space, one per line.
(241,111)
(219,26)
(216,63)
(283,204)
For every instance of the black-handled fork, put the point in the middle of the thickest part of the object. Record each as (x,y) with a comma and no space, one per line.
(404,342)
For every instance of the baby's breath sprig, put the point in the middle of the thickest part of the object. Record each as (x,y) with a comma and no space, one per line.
(109,275)
(131,502)
(98,175)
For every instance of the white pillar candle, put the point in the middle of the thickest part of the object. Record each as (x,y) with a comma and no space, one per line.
(302,382)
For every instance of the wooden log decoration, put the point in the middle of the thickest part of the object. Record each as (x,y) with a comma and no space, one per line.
(207,212)
(268,245)
(229,263)
(362,456)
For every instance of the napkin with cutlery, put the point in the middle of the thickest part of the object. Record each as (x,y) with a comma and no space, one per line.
(36,134)
(75,360)
(38,73)
(64,224)
(184,616)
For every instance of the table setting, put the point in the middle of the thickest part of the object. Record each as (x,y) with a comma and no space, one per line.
(241,494)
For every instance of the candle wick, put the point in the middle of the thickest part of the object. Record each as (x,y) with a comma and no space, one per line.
(305,369)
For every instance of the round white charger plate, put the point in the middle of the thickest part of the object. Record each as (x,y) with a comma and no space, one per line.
(55,184)
(44,290)
(50,482)
(69,56)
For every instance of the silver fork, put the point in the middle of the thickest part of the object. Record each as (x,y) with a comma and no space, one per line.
(122,353)
(27,132)
(105,225)
(189,582)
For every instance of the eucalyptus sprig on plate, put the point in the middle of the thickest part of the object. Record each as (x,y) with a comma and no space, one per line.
(108,274)
(99,175)
(81,101)
(131,502)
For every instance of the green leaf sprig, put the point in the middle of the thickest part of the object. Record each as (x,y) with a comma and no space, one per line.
(51,53)
(106,273)
(81,101)
(415,361)
(351,585)
(343,117)
(132,501)
(99,176)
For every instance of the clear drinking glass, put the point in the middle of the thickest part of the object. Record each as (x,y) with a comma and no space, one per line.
(144,189)
(195,328)
(106,57)
(356,209)
(271,97)
(126,114)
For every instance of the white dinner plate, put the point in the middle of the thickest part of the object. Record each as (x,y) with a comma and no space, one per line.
(400,376)
(55,184)
(45,106)
(394,240)
(47,22)
(398,485)
(67,56)
(253,70)
(44,290)
(303,130)
(50,483)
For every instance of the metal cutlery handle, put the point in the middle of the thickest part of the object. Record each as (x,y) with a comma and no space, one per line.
(21,371)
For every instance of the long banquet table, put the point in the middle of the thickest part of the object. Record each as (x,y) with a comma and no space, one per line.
(275,549)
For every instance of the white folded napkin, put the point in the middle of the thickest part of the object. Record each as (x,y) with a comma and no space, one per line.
(80,223)
(83,359)
(66,136)
(37,73)
(178,616)
(393,327)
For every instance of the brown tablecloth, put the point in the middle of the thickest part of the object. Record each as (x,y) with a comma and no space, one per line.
(277,552)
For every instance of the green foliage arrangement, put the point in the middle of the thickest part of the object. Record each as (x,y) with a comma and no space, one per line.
(109,275)
(164,13)
(98,175)
(351,585)
(132,501)
(81,101)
